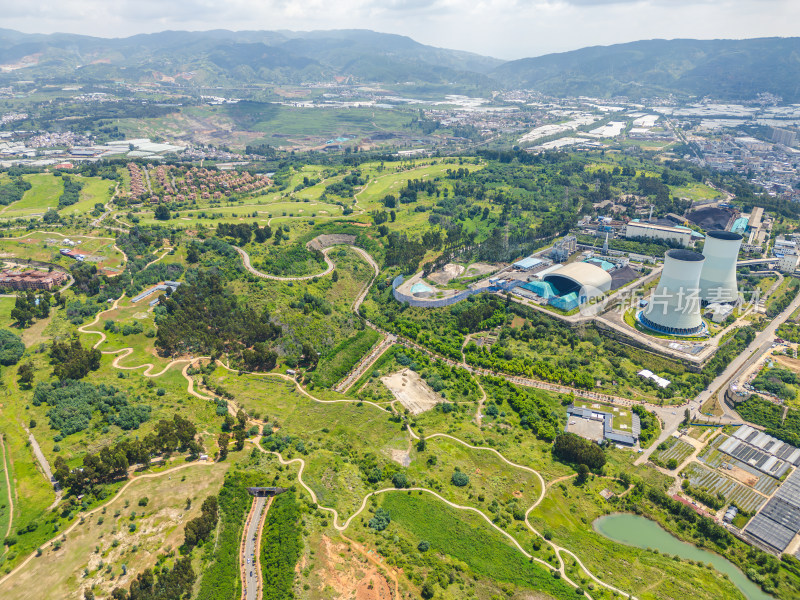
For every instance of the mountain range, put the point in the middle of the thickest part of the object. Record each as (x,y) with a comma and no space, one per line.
(728,69)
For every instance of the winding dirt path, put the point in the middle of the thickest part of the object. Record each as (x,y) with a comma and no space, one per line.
(246,261)
(338,525)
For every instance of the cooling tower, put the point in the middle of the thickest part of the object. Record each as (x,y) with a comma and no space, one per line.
(718,277)
(674,307)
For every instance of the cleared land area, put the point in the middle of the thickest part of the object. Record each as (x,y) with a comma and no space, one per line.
(412,392)
(109,538)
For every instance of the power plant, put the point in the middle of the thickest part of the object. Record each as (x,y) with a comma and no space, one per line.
(718,276)
(674,307)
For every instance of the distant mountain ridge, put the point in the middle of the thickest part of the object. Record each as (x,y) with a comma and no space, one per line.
(728,69)
(731,69)
(221,57)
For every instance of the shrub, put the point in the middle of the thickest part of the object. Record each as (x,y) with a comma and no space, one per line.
(380,521)
(400,480)
(459,479)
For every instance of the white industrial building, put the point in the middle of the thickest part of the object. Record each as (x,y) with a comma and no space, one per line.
(678,235)
(585,279)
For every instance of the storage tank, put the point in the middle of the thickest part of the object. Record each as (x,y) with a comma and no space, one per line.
(674,307)
(718,277)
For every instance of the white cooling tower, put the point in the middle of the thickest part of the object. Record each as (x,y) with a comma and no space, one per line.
(674,307)
(718,277)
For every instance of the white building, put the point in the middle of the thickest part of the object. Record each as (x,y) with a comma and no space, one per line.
(658,232)
(788,263)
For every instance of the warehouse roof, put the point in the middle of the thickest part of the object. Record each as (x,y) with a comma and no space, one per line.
(528,263)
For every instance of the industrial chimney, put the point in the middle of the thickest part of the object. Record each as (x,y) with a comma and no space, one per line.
(674,307)
(718,277)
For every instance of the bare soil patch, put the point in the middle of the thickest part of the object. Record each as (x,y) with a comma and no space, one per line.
(480,269)
(446,274)
(401,457)
(741,475)
(412,392)
(350,576)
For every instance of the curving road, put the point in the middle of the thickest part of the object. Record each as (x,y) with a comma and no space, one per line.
(246,261)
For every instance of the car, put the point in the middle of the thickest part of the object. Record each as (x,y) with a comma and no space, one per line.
(251,573)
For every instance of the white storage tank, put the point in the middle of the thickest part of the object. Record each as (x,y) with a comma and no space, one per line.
(718,276)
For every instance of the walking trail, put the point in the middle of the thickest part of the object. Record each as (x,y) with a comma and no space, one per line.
(340,526)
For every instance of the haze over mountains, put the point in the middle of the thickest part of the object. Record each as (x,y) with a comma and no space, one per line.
(732,69)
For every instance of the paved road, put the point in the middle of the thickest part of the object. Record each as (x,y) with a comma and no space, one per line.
(251,574)
(757,348)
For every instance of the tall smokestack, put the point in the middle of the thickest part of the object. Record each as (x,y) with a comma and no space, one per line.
(674,307)
(718,277)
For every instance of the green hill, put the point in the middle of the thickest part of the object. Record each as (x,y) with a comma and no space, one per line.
(732,69)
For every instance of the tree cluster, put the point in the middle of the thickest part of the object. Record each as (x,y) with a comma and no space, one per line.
(199,529)
(13,190)
(574,449)
(168,584)
(205,318)
(282,546)
(74,403)
(71,360)
(72,192)
(28,306)
(11,348)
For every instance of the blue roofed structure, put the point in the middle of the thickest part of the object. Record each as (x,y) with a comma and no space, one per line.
(739,225)
(543,289)
(567,302)
(603,264)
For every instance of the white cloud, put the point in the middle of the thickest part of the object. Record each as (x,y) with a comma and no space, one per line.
(503,28)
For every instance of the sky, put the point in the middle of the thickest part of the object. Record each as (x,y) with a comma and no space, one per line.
(505,29)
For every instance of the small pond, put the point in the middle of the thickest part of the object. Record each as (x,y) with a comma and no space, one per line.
(641,532)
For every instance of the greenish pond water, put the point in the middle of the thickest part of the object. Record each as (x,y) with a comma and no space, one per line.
(641,532)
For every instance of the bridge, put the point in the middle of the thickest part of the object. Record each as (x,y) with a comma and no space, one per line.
(757,261)
(265,492)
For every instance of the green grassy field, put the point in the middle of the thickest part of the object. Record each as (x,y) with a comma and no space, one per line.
(5,504)
(46,191)
(43,195)
(466,538)
(45,246)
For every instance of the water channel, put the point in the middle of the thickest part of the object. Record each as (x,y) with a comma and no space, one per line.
(641,532)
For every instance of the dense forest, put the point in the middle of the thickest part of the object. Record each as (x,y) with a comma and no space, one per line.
(203,317)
